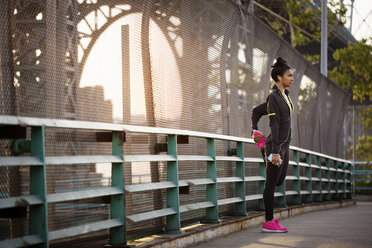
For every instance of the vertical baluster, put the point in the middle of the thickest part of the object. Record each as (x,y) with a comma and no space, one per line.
(173,200)
(328,183)
(240,207)
(354,179)
(343,179)
(318,184)
(308,183)
(296,173)
(39,213)
(349,187)
(335,177)
(212,212)
(117,206)
(261,184)
(282,199)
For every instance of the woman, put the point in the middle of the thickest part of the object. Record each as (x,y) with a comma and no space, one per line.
(279,107)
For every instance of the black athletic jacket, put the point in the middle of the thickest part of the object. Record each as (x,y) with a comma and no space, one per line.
(280,118)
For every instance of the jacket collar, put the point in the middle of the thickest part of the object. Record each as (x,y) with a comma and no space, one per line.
(275,88)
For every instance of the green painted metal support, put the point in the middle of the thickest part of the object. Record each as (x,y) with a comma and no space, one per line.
(240,207)
(173,198)
(353,177)
(282,199)
(296,183)
(343,180)
(318,184)
(117,207)
(308,183)
(282,203)
(261,184)
(350,186)
(212,212)
(19,147)
(327,185)
(39,213)
(335,184)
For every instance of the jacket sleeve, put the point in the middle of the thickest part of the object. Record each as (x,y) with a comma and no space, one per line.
(257,113)
(273,111)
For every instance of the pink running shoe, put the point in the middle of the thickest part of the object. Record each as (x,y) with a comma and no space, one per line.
(273,226)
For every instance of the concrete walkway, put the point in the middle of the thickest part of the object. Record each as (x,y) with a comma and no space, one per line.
(342,227)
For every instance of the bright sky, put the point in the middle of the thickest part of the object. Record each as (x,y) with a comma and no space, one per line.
(362,18)
(104,66)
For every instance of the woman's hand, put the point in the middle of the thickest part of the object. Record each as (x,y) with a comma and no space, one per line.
(276,159)
(257,139)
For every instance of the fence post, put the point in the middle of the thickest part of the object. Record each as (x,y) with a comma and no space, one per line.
(117,206)
(343,178)
(39,213)
(354,180)
(308,183)
(261,184)
(335,184)
(240,207)
(328,183)
(212,212)
(318,184)
(173,197)
(282,199)
(296,173)
(349,187)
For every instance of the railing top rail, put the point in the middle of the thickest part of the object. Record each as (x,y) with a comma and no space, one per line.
(89,125)
(319,154)
(59,123)
(361,162)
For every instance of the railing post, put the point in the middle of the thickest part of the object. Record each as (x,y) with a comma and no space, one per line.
(318,184)
(39,213)
(282,199)
(173,197)
(117,206)
(296,183)
(212,212)
(354,180)
(343,178)
(261,184)
(335,184)
(240,207)
(327,184)
(349,187)
(308,183)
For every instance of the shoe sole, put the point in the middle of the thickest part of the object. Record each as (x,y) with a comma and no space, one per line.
(273,231)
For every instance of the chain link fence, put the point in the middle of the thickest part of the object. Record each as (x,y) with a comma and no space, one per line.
(194,65)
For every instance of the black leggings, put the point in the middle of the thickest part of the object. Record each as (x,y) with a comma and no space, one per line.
(274,177)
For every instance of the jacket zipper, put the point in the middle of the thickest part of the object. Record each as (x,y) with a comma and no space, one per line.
(290,113)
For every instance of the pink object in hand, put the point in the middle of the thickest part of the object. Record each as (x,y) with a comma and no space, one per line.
(263,140)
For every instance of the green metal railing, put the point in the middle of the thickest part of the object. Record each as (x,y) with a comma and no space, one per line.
(362,178)
(326,179)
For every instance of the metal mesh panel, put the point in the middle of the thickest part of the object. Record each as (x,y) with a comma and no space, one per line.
(204,61)
(353,129)
(194,65)
(14,182)
(308,110)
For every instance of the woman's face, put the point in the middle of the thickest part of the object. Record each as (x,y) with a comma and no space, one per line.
(286,79)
